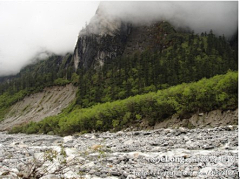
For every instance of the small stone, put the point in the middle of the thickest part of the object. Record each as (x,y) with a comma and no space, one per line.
(120,133)
(147,133)
(115,173)
(91,171)
(182,130)
(195,168)
(186,173)
(136,133)
(207,147)
(230,128)
(128,142)
(165,144)
(103,175)
(67,139)
(50,176)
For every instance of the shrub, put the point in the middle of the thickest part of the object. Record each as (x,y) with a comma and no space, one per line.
(61,82)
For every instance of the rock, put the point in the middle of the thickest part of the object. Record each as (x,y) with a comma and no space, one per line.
(119,156)
(136,133)
(70,174)
(131,177)
(115,173)
(230,128)
(50,176)
(147,133)
(166,131)
(120,133)
(128,142)
(165,144)
(93,137)
(207,147)
(67,139)
(183,130)
(91,171)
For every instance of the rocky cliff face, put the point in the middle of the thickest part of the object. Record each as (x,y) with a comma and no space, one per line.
(106,37)
(103,38)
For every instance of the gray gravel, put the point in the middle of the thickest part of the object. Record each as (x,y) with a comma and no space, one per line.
(163,153)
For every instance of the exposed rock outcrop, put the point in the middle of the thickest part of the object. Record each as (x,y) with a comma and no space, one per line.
(106,38)
(103,38)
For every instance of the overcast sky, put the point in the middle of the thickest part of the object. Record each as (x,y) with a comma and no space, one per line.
(200,16)
(28,28)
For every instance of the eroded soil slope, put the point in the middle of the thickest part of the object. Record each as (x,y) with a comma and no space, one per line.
(40,105)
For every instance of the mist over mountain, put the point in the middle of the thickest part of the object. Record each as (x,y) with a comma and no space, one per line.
(32,28)
(29,29)
(134,62)
(221,17)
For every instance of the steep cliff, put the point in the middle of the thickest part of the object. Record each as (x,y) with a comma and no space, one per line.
(106,38)
(103,38)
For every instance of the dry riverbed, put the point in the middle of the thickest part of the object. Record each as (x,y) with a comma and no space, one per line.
(161,153)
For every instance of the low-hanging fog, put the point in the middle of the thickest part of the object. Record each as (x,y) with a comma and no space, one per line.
(200,16)
(28,29)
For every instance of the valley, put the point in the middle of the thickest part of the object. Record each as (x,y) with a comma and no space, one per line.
(132,100)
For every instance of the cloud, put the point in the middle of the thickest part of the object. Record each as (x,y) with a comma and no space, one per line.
(29,28)
(220,16)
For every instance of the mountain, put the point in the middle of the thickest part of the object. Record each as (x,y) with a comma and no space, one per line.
(103,38)
(114,59)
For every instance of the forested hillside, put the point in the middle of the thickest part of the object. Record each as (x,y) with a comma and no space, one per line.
(171,58)
(55,70)
(149,59)
(41,74)
(219,92)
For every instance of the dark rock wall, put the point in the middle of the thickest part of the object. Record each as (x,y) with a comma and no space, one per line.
(93,49)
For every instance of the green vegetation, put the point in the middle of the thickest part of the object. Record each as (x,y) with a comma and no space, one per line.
(34,78)
(61,82)
(131,88)
(219,92)
(55,70)
(172,58)
(7,99)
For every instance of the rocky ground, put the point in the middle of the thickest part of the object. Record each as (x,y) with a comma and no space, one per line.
(160,153)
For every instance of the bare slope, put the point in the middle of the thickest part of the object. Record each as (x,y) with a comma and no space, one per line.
(40,105)
(214,118)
